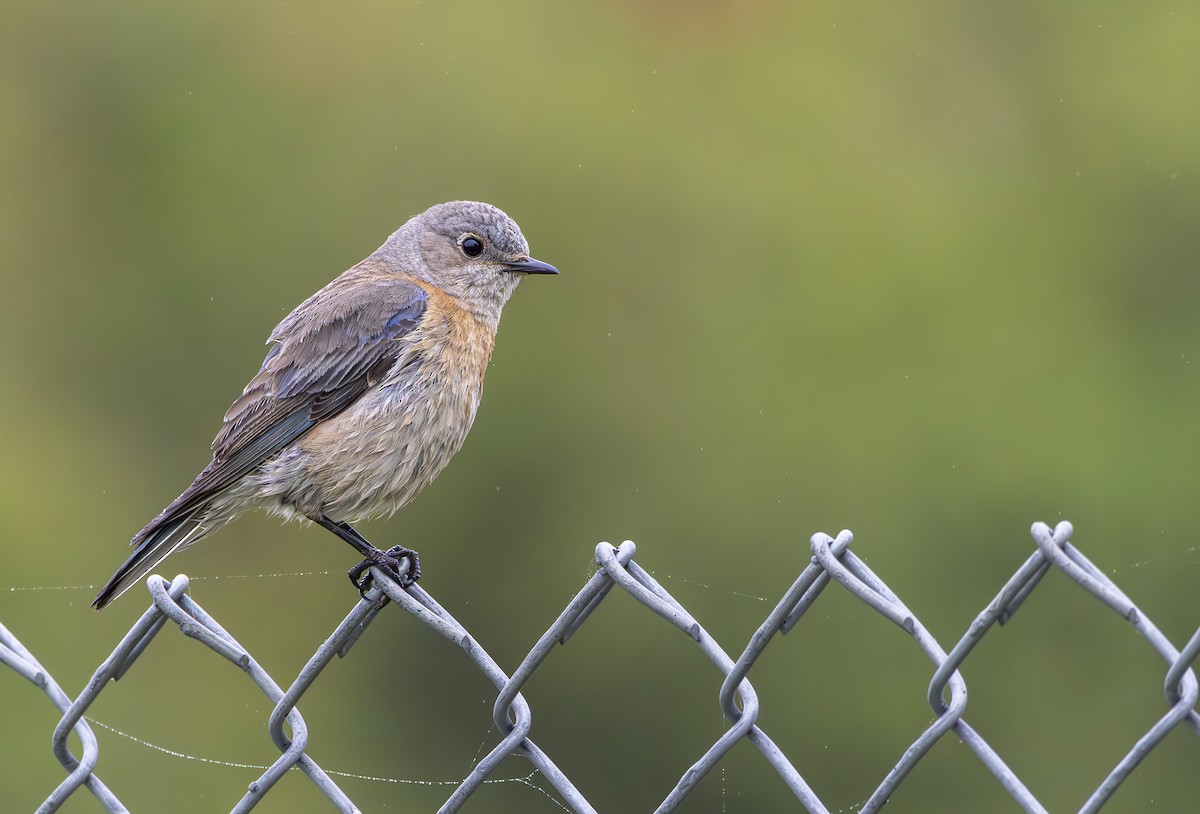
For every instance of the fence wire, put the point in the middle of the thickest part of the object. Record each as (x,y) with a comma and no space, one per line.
(832,562)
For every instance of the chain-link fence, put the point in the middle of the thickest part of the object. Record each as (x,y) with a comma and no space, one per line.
(832,562)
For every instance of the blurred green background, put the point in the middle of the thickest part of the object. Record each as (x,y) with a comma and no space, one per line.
(926,271)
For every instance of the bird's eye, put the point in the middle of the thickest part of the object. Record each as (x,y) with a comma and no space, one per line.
(472,247)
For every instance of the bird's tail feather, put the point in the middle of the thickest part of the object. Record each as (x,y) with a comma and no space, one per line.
(153,549)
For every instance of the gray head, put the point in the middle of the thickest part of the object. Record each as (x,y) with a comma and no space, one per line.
(468,249)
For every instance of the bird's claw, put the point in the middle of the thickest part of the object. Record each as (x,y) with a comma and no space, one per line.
(389,561)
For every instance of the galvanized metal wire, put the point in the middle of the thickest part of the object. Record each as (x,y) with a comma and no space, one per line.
(833,563)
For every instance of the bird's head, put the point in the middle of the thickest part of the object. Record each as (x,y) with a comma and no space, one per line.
(470,250)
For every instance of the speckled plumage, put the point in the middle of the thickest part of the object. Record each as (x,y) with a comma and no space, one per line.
(368,390)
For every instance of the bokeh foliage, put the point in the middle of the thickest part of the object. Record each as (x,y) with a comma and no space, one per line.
(927,271)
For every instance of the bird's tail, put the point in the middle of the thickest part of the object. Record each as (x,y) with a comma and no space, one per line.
(154,544)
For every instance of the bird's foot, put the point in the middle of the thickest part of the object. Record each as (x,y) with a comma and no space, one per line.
(389,561)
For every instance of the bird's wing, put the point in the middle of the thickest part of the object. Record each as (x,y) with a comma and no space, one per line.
(327,353)
(325,356)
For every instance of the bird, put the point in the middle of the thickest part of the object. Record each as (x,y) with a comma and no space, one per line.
(368,389)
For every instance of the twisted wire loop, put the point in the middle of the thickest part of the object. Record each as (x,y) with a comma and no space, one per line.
(81,771)
(832,564)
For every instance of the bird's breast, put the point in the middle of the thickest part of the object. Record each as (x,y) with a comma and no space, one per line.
(375,456)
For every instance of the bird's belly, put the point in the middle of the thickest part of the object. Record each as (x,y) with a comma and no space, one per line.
(374,457)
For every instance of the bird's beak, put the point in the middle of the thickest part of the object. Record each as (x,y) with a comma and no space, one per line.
(529,266)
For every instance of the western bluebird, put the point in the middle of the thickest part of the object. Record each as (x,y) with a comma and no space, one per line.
(368,390)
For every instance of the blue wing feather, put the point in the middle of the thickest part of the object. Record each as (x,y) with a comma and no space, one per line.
(319,366)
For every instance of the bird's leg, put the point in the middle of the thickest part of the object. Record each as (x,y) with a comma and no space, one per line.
(388,560)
